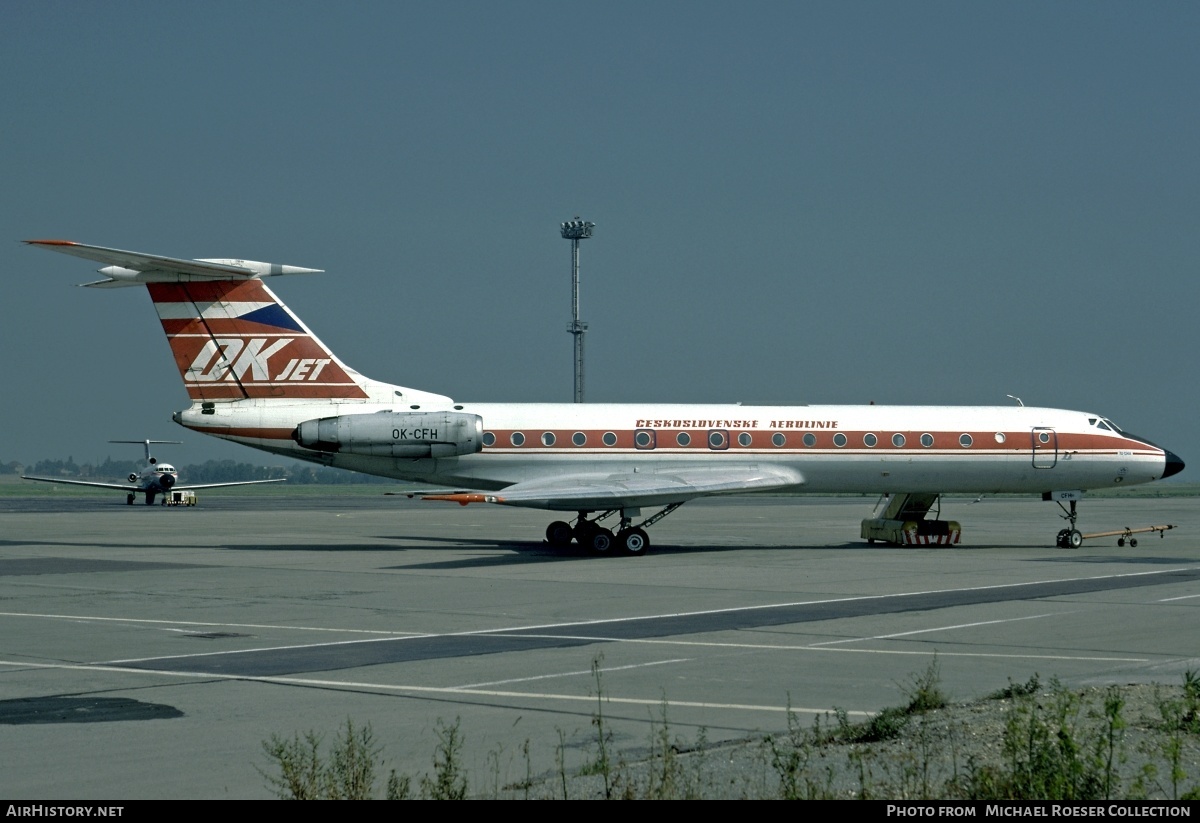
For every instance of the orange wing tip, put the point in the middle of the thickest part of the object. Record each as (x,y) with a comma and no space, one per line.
(463,499)
(51,243)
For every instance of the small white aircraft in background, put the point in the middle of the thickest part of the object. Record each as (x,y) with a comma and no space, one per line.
(257,375)
(154,479)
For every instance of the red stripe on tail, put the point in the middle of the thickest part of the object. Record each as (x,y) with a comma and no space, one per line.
(234,339)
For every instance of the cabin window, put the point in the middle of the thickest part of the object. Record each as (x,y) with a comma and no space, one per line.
(609,439)
(579,438)
(744,439)
(1044,437)
(1000,438)
(547,438)
(644,438)
(489,439)
(517,439)
(717,440)
(683,439)
(778,439)
(810,440)
(898,440)
(839,440)
(927,440)
(965,440)
(870,440)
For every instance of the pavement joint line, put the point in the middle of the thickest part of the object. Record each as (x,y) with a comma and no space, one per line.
(138,620)
(578,673)
(440,690)
(939,629)
(818,648)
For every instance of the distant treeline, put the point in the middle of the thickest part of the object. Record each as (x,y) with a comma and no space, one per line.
(211,471)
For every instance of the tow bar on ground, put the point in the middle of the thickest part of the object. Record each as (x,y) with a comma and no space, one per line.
(1127,534)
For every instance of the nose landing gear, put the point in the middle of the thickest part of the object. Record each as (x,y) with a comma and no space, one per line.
(1070,538)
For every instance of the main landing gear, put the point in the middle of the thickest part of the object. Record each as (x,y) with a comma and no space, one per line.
(629,539)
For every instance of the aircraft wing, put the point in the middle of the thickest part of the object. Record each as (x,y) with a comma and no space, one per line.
(128,487)
(221,485)
(125,487)
(128,268)
(591,492)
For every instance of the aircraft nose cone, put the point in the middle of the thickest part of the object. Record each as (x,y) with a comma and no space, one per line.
(1174,465)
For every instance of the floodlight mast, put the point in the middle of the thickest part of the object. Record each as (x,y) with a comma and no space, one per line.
(576,230)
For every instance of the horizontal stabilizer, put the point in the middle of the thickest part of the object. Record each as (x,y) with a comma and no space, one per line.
(130,268)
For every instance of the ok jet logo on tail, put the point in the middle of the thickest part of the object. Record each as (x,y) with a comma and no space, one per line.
(231,358)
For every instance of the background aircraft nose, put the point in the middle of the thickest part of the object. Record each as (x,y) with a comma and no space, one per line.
(1174,464)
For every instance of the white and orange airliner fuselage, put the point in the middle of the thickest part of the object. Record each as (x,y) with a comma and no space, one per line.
(258,376)
(824,449)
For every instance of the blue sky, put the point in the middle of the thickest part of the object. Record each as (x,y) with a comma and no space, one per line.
(795,202)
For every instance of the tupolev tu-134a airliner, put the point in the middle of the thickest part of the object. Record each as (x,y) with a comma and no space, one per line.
(257,375)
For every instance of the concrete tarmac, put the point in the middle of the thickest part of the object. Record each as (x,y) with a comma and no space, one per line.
(148,652)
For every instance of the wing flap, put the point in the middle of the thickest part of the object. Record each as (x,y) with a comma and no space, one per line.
(632,489)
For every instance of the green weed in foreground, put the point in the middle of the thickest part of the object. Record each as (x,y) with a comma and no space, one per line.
(1052,752)
(1053,744)
(346,772)
(924,693)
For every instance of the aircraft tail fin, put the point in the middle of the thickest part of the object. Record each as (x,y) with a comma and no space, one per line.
(235,339)
(231,336)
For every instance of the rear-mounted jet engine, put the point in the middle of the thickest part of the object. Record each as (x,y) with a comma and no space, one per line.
(394,434)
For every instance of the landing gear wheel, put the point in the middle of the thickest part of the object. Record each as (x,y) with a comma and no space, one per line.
(559,534)
(1133,542)
(600,542)
(129,500)
(1121,541)
(633,542)
(1074,539)
(1061,540)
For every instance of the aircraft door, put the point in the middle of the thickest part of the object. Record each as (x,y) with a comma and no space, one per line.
(1045,448)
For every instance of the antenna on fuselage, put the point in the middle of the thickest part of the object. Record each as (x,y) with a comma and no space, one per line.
(1014,397)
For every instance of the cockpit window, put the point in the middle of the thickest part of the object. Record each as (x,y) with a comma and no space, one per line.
(1110,424)
(1101,425)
